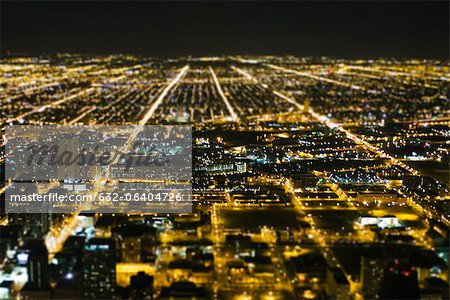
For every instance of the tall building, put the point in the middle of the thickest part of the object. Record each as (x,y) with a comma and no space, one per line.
(35,256)
(141,286)
(99,269)
(372,272)
(385,278)
(134,243)
(37,264)
(400,281)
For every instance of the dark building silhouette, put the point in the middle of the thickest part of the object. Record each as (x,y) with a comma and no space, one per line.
(38,284)
(372,272)
(99,269)
(400,281)
(141,286)
(37,265)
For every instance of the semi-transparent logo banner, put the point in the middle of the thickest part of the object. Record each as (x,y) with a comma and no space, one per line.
(117,169)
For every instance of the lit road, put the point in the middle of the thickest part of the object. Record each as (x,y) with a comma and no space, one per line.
(319,78)
(233,114)
(164,93)
(54,104)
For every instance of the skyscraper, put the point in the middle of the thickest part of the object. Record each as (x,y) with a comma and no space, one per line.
(372,272)
(141,286)
(37,265)
(400,281)
(99,269)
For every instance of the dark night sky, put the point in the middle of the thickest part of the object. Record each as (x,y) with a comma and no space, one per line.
(170,29)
